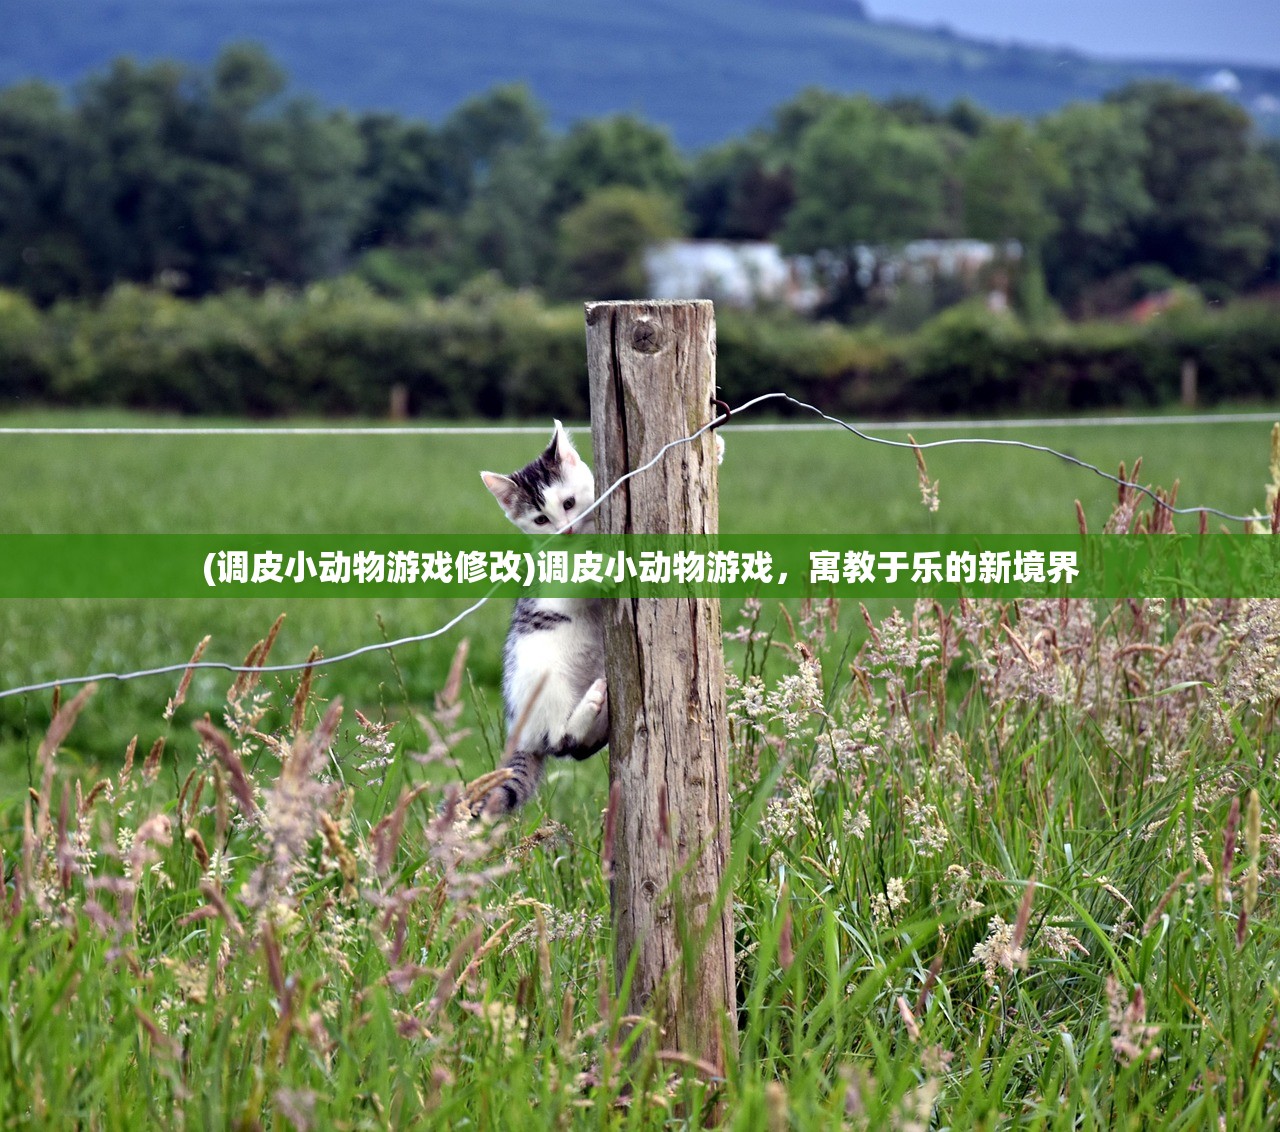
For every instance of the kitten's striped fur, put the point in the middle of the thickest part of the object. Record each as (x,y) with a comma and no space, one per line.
(553,683)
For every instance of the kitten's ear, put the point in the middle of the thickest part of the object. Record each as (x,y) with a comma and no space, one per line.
(503,488)
(561,448)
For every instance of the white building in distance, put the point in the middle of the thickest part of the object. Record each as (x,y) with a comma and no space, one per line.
(752,273)
(736,274)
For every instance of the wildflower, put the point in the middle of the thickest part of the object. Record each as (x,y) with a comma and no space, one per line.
(908,1018)
(785,817)
(156,830)
(290,810)
(936,1060)
(191,978)
(1132,1038)
(557,925)
(1104,882)
(850,748)
(746,701)
(797,696)
(949,765)
(1061,942)
(181,695)
(1254,678)
(856,824)
(928,487)
(1253,842)
(778,820)
(931,835)
(958,877)
(297,1106)
(916,1109)
(999,951)
(549,835)
(885,905)
(504,1023)
(777,1115)
(900,647)
(375,736)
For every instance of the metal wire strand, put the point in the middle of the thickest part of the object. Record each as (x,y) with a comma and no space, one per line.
(47,685)
(224,666)
(1030,448)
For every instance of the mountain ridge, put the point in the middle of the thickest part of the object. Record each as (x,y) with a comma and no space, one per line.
(706,69)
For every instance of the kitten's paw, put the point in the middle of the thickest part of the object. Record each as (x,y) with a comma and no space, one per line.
(491,796)
(597,696)
(589,721)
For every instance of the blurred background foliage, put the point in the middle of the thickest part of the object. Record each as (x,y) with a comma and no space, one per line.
(189,238)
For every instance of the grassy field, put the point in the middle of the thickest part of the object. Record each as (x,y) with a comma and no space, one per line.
(802,482)
(789,482)
(1014,873)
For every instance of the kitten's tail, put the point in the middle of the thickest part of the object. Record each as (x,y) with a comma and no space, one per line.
(516,788)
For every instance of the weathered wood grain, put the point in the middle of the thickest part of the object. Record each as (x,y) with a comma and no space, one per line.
(652,371)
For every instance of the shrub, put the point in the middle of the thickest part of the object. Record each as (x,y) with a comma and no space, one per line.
(27,367)
(339,348)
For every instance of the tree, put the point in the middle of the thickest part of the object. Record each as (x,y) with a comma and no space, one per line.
(1008,174)
(507,117)
(305,188)
(913,110)
(759,202)
(149,205)
(246,79)
(508,226)
(405,170)
(794,118)
(966,117)
(735,194)
(201,181)
(618,150)
(1215,196)
(863,178)
(1270,149)
(602,241)
(42,247)
(1102,202)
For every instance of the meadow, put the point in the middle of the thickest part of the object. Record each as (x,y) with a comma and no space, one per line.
(788,482)
(993,867)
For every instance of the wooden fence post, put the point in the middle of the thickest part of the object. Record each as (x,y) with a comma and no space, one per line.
(1190,375)
(652,372)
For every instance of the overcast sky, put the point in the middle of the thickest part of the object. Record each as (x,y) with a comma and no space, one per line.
(1245,31)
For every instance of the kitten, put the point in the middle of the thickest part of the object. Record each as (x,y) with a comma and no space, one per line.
(553,683)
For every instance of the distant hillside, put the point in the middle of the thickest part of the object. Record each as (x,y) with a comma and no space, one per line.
(708,69)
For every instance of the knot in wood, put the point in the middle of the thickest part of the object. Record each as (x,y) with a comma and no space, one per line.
(646,338)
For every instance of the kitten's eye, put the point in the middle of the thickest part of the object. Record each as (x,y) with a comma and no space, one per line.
(541,520)
(568,503)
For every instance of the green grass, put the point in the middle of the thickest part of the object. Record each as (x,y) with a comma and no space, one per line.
(894,964)
(795,482)
(885,813)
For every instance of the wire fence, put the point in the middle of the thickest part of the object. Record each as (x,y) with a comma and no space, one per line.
(537,430)
(833,422)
